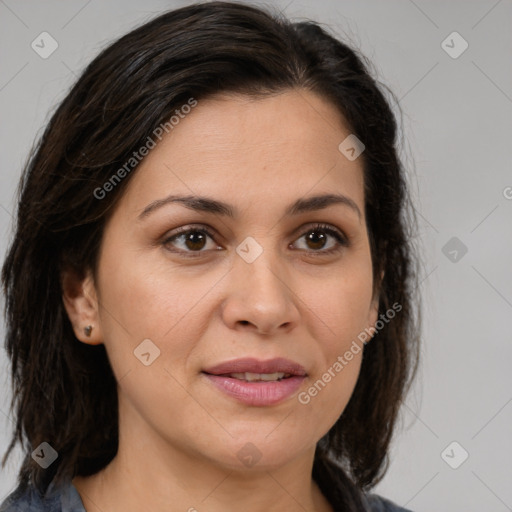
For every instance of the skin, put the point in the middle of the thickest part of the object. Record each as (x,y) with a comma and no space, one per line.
(179,435)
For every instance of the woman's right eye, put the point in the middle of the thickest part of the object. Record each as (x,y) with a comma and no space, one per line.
(192,240)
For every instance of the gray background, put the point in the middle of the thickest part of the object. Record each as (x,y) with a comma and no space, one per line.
(458,129)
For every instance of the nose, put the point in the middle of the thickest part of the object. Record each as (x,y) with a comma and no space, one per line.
(261,297)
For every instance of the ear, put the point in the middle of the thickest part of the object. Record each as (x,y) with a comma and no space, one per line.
(81,303)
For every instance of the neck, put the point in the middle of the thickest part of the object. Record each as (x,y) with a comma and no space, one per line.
(150,473)
(129,483)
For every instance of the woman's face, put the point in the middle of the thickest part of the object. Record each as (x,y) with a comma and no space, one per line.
(261,284)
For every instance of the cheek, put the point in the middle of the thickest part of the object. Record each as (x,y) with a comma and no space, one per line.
(142,299)
(328,393)
(340,307)
(339,310)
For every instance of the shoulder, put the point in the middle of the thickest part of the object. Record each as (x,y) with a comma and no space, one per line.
(64,498)
(29,499)
(379,504)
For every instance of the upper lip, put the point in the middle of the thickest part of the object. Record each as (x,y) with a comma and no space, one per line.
(251,365)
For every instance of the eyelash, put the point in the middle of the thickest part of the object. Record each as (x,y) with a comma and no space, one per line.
(335,233)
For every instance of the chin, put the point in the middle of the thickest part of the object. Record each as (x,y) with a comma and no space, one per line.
(264,451)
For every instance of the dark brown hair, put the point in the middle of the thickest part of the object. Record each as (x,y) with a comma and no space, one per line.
(64,391)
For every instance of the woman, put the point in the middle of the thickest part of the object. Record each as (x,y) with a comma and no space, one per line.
(209,235)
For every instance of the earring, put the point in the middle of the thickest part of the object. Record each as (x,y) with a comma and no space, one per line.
(88,330)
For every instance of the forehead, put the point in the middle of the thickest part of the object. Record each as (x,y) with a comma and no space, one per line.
(265,149)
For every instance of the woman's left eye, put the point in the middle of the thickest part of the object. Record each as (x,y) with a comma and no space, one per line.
(194,240)
(318,235)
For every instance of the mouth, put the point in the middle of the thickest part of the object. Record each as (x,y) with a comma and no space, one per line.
(257,383)
(259,377)
(278,368)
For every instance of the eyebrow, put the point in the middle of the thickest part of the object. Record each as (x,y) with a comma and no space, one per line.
(210,205)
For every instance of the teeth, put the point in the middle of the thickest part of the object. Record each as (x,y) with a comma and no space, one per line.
(252,377)
(268,376)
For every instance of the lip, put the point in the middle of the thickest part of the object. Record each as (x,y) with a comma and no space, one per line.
(260,393)
(251,365)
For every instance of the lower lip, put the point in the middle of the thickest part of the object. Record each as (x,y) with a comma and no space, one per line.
(257,393)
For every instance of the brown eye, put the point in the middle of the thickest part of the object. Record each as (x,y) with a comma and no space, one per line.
(195,240)
(189,240)
(317,238)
